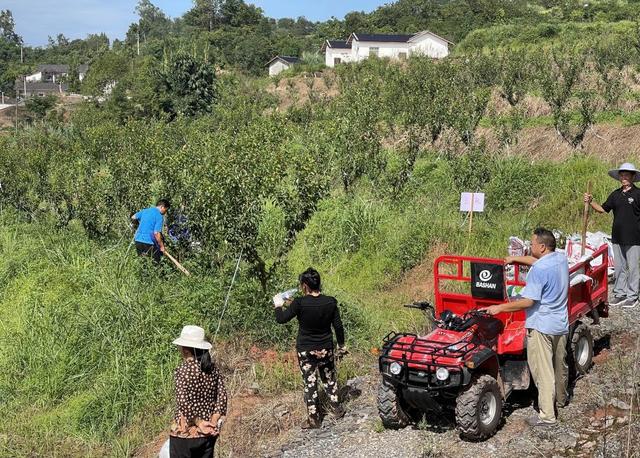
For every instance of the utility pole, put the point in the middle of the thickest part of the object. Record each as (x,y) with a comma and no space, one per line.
(21,54)
(138,34)
(2,97)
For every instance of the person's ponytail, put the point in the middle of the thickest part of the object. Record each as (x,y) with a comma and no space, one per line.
(204,360)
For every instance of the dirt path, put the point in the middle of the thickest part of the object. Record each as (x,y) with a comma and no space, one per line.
(596,423)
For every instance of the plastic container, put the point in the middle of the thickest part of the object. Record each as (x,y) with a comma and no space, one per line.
(289,294)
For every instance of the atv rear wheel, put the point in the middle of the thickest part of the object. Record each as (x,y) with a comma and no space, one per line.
(390,409)
(580,351)
(479,408)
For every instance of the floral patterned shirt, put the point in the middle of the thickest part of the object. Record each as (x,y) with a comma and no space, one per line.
(201,399)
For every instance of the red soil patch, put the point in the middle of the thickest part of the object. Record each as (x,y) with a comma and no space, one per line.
(602,357)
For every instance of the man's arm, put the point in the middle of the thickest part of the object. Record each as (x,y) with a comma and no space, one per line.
(524,260)
(159,240)
(507,307)
(157,232)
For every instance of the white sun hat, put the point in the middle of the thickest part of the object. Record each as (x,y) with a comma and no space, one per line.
(192,337)
(626,167)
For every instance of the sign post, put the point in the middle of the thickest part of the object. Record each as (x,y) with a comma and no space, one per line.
(471,202)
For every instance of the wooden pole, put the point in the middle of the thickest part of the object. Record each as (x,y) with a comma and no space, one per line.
(585,221)
(471,215)
(177,264)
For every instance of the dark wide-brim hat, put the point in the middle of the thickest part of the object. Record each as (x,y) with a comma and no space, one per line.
(626,167)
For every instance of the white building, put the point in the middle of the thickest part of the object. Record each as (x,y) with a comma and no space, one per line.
(361,46)
(336,52)
(281,63)
(55,73)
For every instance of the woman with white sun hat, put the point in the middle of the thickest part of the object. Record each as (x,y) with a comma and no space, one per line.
(625,234)
(201,398)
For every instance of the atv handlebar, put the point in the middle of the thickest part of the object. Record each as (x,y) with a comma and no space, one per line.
(419,305)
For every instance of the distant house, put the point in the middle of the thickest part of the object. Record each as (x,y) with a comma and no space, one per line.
(48,79)
(336,52)
(360,46)
(281,63)
(54,73)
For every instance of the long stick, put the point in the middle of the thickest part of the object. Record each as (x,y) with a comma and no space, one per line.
(226,299)
(471,214)
(585,221)
(178,265)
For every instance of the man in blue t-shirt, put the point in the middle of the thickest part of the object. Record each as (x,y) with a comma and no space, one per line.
(545,301)
(148,238)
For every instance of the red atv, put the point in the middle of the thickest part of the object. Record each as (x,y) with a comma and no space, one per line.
(471,362)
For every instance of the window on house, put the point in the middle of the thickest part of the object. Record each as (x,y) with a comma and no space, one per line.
(337,60)
(402,56)
(374,52)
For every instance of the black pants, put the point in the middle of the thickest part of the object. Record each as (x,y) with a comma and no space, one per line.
(145,249)
(192,448)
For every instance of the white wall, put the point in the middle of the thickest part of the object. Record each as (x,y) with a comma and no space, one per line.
(36,77)
(276,67)
(330,54)
(431,46)
(360,50)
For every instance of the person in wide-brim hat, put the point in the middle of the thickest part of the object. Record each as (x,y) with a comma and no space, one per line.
(201,398)
(626,167)
(625,234)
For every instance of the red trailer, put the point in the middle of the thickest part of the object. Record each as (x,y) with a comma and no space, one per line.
(471,362)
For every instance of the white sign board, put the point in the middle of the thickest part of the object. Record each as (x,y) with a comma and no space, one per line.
(467,198)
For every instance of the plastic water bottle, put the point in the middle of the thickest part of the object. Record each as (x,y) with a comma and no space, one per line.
(288,294)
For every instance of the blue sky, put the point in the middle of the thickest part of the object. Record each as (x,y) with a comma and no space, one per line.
(37,19)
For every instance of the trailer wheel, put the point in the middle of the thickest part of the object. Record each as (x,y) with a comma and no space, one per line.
(479,408)
(390,409)
(580,351)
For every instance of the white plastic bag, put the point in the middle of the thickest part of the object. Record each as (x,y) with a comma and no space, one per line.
(164,451)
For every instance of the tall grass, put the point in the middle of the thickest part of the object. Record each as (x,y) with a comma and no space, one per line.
(86,327)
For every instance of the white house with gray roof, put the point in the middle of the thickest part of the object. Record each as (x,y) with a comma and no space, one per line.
(336,52)
(281,63)
(361,46)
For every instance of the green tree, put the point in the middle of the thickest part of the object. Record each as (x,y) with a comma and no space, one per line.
(105,72)
(610,57)
(189,86)
(204,15)
(563,86)
(153,22)
(514,74)
(38,107)
(7,28)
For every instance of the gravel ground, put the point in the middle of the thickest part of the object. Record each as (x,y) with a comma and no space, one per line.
(596,423)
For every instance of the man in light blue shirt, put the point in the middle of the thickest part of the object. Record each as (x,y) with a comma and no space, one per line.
(148,237)
(545,301)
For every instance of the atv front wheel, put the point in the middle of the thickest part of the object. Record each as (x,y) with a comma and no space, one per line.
(479,408)
(391,412)
(580,350)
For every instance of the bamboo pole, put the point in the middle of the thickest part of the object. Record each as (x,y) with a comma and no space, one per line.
(585,221)
(178,265)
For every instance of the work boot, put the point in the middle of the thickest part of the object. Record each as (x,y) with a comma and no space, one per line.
(311,423)
(629,304)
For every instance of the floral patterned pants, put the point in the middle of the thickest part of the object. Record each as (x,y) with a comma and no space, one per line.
(323,361)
